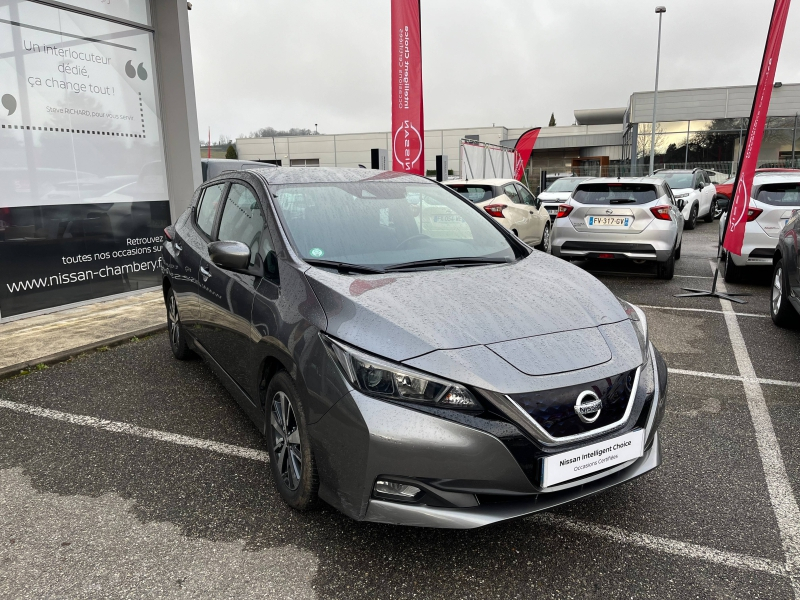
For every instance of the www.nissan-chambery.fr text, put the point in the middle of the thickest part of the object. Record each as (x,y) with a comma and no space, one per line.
(81,276)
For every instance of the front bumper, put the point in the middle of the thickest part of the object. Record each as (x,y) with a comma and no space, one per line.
(471,477)
(380,511)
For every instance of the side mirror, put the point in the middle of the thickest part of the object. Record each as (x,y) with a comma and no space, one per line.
(681,204)
(537,203)
(233,256)
(701,185)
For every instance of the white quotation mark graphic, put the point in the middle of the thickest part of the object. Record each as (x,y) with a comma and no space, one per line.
(131,72)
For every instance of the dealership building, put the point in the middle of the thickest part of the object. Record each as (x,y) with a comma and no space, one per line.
(696,127)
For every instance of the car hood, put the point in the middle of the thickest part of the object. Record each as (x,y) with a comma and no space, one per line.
(553,196)
(404,315)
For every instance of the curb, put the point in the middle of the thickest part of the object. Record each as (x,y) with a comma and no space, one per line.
(10,371)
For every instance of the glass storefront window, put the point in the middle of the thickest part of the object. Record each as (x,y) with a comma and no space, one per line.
(136,11)
(83,189)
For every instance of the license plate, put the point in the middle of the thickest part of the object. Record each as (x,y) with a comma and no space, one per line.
(609,221)
(552,211)
(595,457)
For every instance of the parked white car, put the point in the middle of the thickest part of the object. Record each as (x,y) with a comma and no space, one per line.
(773,200)
(695,189)
(512,204)
(558,192)
(621,218)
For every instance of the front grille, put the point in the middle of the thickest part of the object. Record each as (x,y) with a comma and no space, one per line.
(554,410)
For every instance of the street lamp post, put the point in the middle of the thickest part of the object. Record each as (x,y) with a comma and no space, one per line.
(660,10)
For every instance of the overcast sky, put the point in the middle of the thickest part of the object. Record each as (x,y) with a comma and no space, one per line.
(294,63)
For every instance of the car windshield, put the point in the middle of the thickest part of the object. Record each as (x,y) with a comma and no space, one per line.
(566,184)
(677,181)
(615,193)
(379,223)
(473,192)
(780,194)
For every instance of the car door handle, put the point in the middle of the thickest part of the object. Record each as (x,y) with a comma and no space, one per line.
(530,211)
(205,273)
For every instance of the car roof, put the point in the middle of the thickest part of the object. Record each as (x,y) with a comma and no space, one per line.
(481,181)
(653,180)
(777,177)
(300,175)
(677,170)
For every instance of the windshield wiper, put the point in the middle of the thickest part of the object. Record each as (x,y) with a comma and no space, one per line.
(342,267)
(623,201)
(440,262)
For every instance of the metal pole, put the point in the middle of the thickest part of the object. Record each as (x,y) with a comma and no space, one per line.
(794,137)
(660,10)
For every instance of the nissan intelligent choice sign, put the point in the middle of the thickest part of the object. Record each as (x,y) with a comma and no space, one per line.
(408,146)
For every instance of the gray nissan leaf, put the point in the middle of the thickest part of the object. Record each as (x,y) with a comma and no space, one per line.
(409,360)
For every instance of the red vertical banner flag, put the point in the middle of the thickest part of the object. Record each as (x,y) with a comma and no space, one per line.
(737,217)
(408,140)
(523,149)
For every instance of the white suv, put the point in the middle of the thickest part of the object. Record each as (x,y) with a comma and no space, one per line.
(775,197)
(694,187)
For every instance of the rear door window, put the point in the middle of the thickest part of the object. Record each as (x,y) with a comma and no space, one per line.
(511,191)
(615,193)
(207,208)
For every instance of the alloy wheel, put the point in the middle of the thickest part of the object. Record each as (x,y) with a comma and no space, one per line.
(546,240)
(173,321)
(287,450)
(777,291)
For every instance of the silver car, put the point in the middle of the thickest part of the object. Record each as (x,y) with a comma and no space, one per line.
(621,218)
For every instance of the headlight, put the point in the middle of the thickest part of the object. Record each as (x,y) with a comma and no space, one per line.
(639,320)
(378,377)
(682,195)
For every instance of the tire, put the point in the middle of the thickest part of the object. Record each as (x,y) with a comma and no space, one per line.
(718,212)
(545,245)
(177,338)
(780,308)
(733,273)
(691,222)
(666,270)
(291,459)
(709,218)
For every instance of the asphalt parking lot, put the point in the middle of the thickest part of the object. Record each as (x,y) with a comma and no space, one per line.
(124,473)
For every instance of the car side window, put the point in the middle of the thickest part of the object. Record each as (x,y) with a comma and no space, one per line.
(526,196)
(207,207)
(242,220)
(511,191)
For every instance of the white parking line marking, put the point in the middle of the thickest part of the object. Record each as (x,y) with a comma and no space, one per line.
(781,496)
(693,276)
(153,434)
(733,377)
(705,310)
(676,547)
